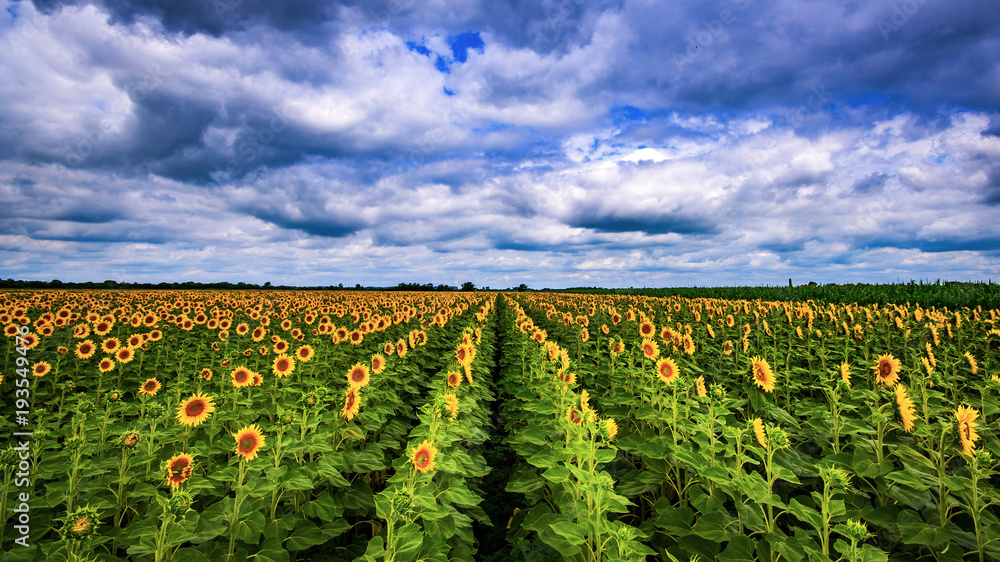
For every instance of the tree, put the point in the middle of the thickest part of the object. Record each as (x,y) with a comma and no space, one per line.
(521,288)
(468,286)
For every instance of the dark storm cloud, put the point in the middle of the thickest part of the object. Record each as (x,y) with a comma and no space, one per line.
(212,17)
(666,223)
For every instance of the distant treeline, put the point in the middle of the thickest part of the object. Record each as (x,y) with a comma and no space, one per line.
(191,285)
(953,294)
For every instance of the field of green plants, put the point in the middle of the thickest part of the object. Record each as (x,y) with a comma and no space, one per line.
(394,426)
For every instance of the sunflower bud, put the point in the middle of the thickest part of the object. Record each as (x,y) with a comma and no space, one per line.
(80,524)
(854,530)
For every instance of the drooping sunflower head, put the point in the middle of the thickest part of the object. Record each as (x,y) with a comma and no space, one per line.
(967,424)
(700,384)
(845,373)
(758,431)
(887,370)
(451,404)
(352,403)
(195,410)
(249,441)
(907,411)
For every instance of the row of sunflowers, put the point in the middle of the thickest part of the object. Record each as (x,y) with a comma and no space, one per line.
(779,430)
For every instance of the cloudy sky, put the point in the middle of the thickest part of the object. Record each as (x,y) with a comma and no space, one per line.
(556,143)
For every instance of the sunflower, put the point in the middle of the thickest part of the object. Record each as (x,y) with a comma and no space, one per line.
(972,362)
(388,348)
(249,440)
(845,373)
(258,334)
(241,377)
(967,428)
(256,378)
(689,347)
(401,348)
(106,365)
(356,337)
(135,341)
(574,416)
(378,363)
(646,329)
(102,328)
(110,345)
(423,457)
(41,369)
(351,403)
(611,428)
(727,347)
(304,353)
(206,374)
(150,387)
(906,409)
(451,404)
(700,383)
(179,469)
(762,374)
(667,370)
(758,430)
(464,354)
(650,349)
(280,346)
(358,376)
(887,370)
(125,355)
(195,410)
(242,329)
(283,366)
(454,379)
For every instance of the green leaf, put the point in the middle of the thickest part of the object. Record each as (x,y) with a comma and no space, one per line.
(739,549)
(914,531)
(305,535)
(556,474)
(805,513)
(249,528)
(573,533)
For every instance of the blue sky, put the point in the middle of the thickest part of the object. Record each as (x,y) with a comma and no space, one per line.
(556,143)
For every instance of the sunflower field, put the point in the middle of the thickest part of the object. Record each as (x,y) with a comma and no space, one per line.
(405,426)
